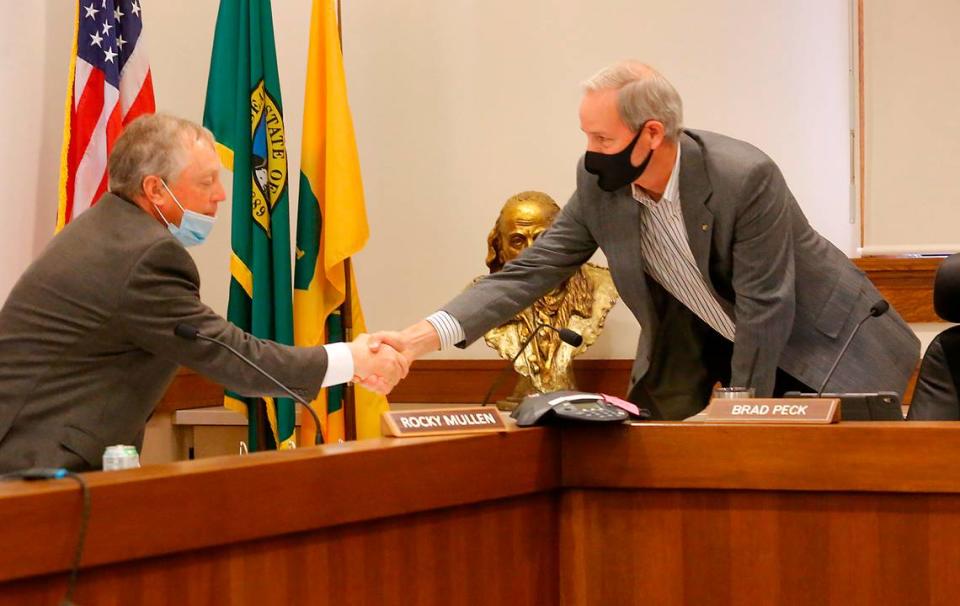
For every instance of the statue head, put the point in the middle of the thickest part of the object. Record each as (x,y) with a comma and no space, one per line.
(522,219)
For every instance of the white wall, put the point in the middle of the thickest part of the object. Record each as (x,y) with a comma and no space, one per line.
(34,54)
(459,104)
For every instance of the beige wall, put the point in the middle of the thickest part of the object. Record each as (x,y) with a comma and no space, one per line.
(458,105)
(33,80)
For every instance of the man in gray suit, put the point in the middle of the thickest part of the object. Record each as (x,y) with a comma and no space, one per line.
(87,344)
(710,252)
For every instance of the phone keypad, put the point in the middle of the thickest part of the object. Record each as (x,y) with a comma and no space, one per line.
(592,413)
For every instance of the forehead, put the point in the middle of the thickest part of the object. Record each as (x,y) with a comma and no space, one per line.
(526,215)
(598,111)
(201,155)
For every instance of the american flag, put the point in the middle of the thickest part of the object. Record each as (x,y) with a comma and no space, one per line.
(110,85)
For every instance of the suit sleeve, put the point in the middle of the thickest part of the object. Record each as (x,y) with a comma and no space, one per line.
(553,257)
(162,291)
(763,278)
(935,397)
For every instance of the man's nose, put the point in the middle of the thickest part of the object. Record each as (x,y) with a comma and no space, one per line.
(219,193)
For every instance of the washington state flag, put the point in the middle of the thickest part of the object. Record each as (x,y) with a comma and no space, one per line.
(245,113)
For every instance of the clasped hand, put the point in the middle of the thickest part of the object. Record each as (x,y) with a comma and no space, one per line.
(378,361)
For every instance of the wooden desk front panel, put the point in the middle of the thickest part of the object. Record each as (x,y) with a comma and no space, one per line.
(187,506)
(704,548)
(499,552)
(657,513)
(878,456)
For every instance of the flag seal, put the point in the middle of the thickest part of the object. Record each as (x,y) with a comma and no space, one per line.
(268,155)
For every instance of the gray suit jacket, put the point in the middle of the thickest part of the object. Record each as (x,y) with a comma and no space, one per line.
(87,346)
(794,296)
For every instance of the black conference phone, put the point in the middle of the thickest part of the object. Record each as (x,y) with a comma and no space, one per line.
(567,406)
(876,406)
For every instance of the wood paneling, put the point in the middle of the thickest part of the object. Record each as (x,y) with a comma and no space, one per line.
(907,283)
(467,381)
(667,547)
(886,456)
(674,513)
(495,552)
(174,507)
(654,513)
(190,390)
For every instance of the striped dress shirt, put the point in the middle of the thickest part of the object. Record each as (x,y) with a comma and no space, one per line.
(448,327)
(667,256)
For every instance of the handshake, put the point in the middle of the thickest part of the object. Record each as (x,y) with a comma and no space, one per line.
(379,361)
(382,359)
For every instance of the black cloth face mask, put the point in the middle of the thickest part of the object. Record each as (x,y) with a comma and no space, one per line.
(615,170)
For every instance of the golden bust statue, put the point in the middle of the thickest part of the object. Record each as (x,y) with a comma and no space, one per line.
(581,303)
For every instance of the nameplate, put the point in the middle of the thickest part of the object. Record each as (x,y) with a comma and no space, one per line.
(774,410)
(442,421)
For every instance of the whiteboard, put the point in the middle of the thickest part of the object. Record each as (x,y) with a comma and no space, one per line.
(912,127)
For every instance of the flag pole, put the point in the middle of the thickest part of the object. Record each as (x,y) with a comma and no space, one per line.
(346,310)
(349,395)
(339,28)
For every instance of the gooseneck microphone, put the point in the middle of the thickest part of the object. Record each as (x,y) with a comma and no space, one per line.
(876,310)
(570,337)
(192,333)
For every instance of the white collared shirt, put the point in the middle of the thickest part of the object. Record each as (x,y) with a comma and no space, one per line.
(339,364)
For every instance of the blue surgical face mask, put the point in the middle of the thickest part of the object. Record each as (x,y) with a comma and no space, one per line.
(194,227)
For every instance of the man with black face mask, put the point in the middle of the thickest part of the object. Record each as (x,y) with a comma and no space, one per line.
(709,250)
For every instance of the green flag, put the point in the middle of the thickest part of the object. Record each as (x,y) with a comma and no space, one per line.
(245,113)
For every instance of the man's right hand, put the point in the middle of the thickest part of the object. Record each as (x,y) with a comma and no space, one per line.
(414,341)
(411,343)
(378,367)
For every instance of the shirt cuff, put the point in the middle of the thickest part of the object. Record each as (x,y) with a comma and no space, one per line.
(448,328)
(339,364)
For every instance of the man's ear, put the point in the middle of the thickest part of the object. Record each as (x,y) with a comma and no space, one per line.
(657,133)
(153,189)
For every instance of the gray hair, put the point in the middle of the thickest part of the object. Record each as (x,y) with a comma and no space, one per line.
(643,94)
(153,144)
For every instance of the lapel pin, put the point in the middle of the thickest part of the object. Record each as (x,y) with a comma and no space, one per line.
(704,227)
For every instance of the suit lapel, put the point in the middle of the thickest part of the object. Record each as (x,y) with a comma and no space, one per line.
(625,221)
(625,257)
(694,192)
(622,222)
